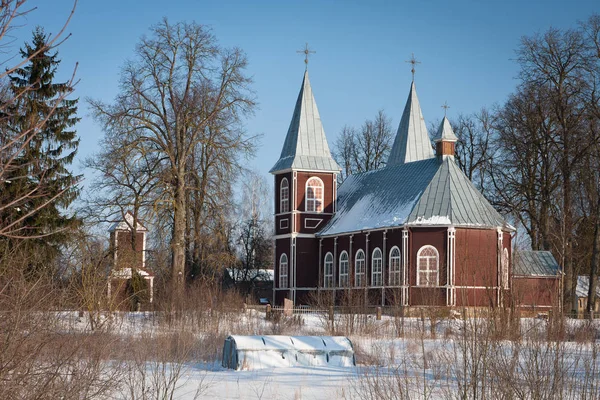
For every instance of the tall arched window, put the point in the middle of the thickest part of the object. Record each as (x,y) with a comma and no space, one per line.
(359,268)
(394,274)
(344,269)
(376,268)
(314,195)
(505,268)
(283,271)
(284,196)
(328,271)
(428,272)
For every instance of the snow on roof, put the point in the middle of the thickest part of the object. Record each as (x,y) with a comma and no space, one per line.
(305,145)
(421,193)
(583,286)
(239,274)
(534,263)
(126,224)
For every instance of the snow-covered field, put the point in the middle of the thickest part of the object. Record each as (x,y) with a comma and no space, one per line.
(396,359)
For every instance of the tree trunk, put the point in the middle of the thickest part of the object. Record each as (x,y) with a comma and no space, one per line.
(594,267)
(178,241)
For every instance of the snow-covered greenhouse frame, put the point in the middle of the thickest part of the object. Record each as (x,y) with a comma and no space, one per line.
(273,351)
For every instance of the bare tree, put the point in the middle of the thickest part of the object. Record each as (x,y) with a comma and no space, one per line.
(180,85)
(364,149)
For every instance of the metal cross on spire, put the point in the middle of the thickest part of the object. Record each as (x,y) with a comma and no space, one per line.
(307,52)
(414,62)
(445,107)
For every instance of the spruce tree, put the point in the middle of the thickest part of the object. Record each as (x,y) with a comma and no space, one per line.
(41,109)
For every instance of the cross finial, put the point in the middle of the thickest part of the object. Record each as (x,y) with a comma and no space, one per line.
(445,107)
(414,62)
(307,52)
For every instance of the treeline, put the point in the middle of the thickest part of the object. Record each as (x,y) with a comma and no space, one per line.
(537,156)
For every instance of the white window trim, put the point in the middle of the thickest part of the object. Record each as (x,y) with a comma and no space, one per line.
(281,275)
(356,272)
(437,269)
(281,199)
(306,200)
(505,268)
(344,277)
(328,276)
(375,259)
(398,272)
(284,223)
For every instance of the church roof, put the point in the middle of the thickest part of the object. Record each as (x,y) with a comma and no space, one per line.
(445,132)
(126,224)
(305,145)
(534,263)
(412,140)
(430,192)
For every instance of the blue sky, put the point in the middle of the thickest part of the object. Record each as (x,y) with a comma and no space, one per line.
(465,48)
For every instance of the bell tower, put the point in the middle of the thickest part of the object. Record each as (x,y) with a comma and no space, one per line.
(305,198)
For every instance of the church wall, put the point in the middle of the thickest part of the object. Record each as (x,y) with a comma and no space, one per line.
(419,237)
(476,297)
(328,183)
(281,246)
(476,258)
(307,262)
(278,179)
(283,224)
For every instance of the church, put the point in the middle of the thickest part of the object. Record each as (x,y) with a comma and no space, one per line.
(413,233)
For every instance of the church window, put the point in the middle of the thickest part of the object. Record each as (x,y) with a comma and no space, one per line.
(328,273)
(505,267)
(314,195)
(283,271)
(284,196)
(376,268)
(343,269)
(359,268)
(428,266)
(394,275)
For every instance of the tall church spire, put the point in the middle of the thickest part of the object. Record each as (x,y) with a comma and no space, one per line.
(412,140)
(305,146)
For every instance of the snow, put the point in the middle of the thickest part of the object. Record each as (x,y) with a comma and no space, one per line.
(433,220)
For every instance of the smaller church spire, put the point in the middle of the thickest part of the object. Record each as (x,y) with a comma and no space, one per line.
(445,139)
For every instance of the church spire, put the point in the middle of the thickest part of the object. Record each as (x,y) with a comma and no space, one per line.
(445,140)
(305,145)
(412,140)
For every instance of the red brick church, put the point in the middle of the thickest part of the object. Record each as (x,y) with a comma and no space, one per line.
(414,233)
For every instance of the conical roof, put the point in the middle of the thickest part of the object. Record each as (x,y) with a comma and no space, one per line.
(445,132)
(412,140)
(305,145)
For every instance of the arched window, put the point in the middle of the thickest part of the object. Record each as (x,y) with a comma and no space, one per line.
(283,271)
(284,196)
(328,273)
(343,269)
(359,268)
(505,268)
(394,275)
(428,266)
(314,195)
(376,268)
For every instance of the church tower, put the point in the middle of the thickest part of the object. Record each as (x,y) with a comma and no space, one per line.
(305,199)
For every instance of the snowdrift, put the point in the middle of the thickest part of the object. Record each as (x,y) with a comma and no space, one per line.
(272,351)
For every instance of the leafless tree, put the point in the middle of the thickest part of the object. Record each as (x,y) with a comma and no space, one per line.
(181,91)
(364,149)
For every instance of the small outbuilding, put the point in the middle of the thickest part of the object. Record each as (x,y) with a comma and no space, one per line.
(536,280)
(583,287)
(271,351)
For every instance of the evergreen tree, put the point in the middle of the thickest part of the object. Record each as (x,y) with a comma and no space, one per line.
(44,116)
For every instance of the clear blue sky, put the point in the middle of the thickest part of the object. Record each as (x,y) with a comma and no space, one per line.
(465,48)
